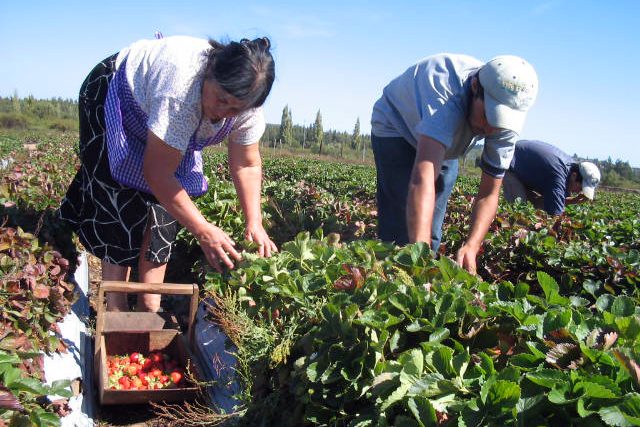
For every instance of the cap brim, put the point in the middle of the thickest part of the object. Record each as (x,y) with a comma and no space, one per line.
(501,116)
(588,191)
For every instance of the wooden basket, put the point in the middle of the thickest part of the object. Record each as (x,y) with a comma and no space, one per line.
(119,333)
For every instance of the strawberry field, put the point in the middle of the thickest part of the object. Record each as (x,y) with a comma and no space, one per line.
(339,329)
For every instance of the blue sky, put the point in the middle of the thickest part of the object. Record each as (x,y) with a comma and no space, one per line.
(336,56)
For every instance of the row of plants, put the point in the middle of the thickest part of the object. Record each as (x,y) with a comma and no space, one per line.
(35,293)
(34,296)
(345,330)
(368,334)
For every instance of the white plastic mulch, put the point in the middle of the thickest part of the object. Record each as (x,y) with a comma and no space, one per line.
(76,363)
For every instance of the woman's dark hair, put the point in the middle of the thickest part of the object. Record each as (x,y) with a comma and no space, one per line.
(244,69)
(575,167)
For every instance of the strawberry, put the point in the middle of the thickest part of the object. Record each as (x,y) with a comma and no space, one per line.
(176,377)
(131,370)
(156,357)
(125,383)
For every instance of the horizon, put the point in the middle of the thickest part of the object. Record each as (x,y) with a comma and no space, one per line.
(336,57)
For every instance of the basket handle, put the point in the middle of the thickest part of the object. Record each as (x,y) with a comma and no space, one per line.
(146,288)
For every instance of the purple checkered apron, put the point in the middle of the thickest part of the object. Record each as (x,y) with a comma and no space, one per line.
(127,134)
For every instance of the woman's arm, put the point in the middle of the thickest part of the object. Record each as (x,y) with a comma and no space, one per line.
(246,170)
(159,165)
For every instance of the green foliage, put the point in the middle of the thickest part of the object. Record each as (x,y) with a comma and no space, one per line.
(22,398)
(285,135)
(376,332)
(30,113)
(339,329)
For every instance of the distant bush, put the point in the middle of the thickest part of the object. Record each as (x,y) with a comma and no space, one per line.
(63,125)
(13,121)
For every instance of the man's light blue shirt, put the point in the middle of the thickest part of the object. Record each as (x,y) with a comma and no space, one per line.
(431,98)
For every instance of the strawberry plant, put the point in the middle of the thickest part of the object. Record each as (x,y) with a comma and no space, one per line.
(23,398)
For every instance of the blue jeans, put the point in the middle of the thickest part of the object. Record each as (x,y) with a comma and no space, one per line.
(394,162)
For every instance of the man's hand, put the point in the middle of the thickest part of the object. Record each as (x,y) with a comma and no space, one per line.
(578,198)
(484,211)
(466,257)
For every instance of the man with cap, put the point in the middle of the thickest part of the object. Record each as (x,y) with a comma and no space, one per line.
(426,119)
(547,177)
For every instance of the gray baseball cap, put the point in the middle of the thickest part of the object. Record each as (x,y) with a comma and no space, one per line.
(590,179)
(510,88)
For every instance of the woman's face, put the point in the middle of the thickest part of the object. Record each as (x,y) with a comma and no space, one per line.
(218,104)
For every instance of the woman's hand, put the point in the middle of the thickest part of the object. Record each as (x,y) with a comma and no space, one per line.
(257,234)
(217,247)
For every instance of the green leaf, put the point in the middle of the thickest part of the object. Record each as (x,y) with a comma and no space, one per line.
(521,290)
(550,288)
(486,363)
(9,358)
(502,396)
(394,341)
(378,319)
(556,319)
(591,287)
(623,306)
(431,385)
(45,419)
(404,421)
(413,363)
(441,360)
(29,385)
(61,388)
(613,416)
(398,394)
(560,394)
(527,403)
(590,389)
(604,302)
(423,411)
(547,377)
(439,335)
(526,360)
(312,372)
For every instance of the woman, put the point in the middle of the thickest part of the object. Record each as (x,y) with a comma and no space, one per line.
(145,115)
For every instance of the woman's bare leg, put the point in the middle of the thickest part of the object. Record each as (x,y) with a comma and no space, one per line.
(149,272)
(118,273)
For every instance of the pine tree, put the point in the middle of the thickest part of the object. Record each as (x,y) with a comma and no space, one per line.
(285,134)
(15,101)
(318,132)
(355,137)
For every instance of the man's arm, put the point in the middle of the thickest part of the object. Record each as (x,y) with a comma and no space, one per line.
(422,189)
(484,211)
(577,199)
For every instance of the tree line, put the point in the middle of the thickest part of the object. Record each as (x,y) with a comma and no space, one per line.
(54,113)
(62,114)
(315,139)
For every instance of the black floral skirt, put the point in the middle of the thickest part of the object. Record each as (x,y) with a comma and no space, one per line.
(108,217)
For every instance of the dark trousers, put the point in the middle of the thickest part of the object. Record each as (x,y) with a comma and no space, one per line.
(394,162)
